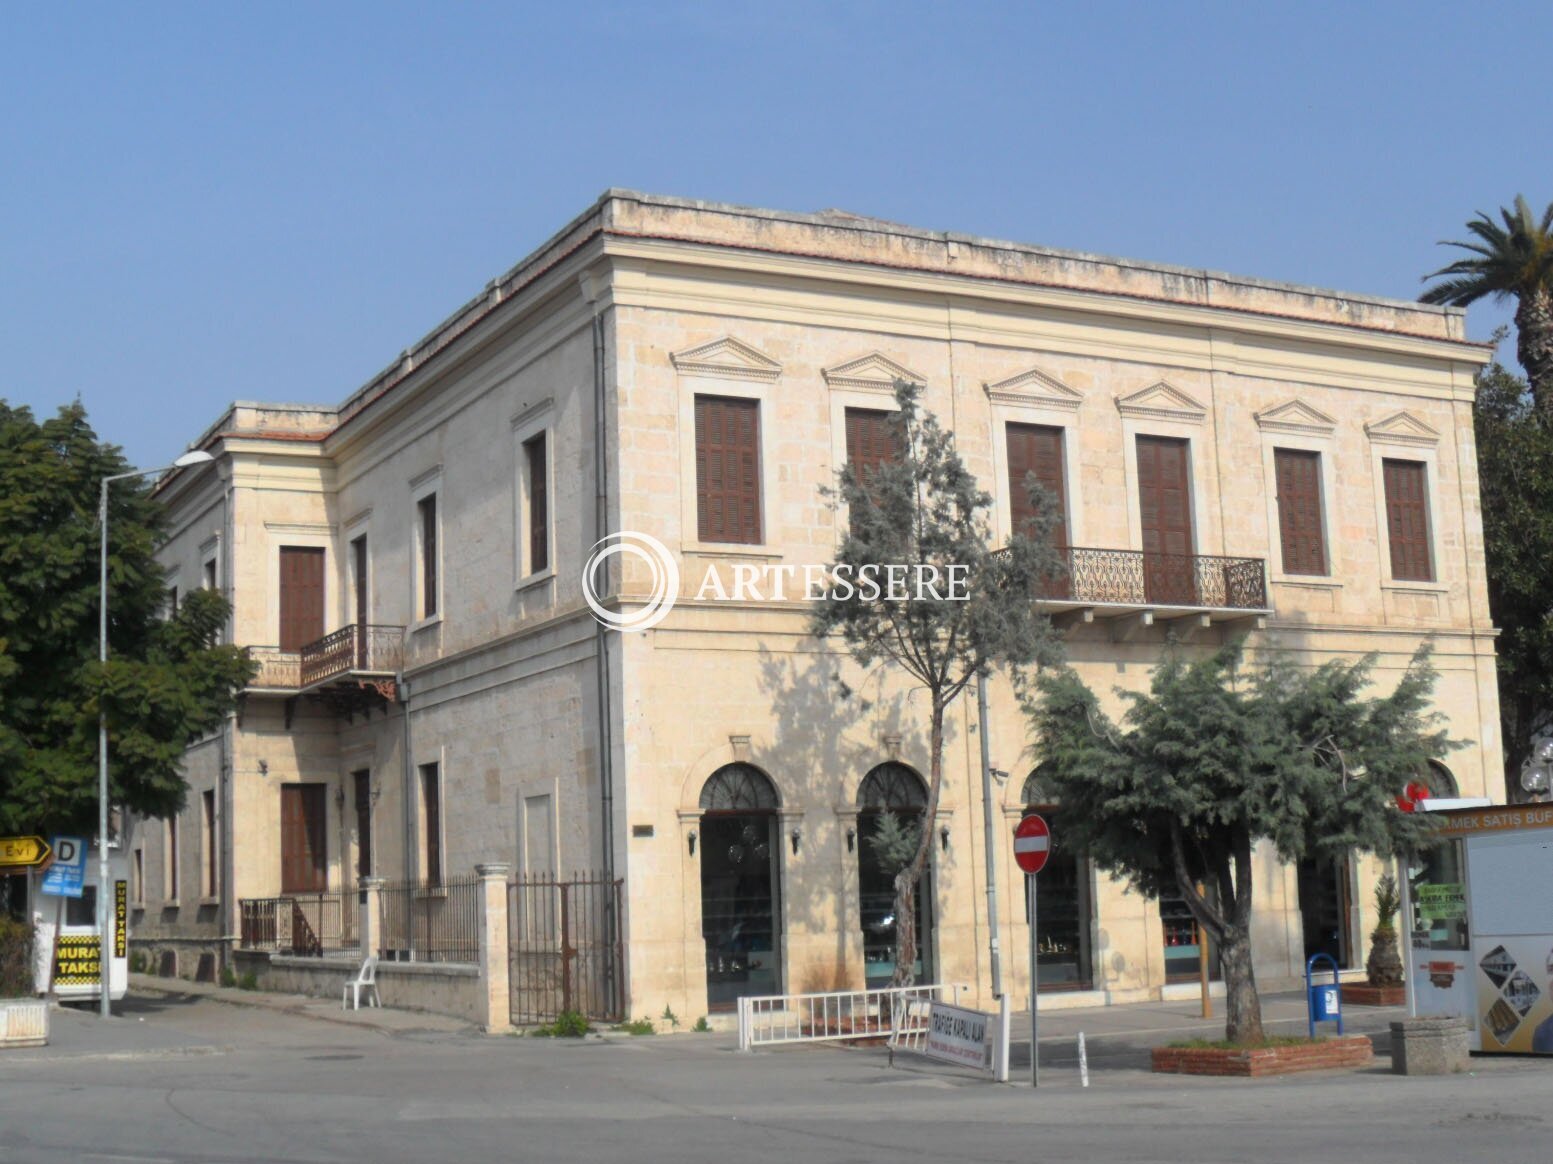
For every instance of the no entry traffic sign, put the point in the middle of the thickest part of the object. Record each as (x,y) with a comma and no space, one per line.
(1032,844)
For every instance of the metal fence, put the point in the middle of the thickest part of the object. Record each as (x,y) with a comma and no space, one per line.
(896,1013)
(422,922)
(299,923)
(1132,576)
(566,953)
(357,647)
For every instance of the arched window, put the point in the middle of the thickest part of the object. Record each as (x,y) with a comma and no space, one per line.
(1036,793)
(1441,783)
(738,788)
(741,917)
(892,786)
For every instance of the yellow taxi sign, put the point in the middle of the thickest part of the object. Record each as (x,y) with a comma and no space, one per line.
(23,852)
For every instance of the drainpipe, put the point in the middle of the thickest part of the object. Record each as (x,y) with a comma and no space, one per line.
(402,686)
(226,795)
(590,292)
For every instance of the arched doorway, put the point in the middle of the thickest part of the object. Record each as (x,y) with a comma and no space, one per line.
(1063,905)
(890,790)
(740,902)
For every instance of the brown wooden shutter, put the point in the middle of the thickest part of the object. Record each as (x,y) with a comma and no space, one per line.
(301,596)
(1036,448)
(1407,521)
(431,820)
(1297,475)
(212,856)
(869,440)
(727,469)
(1165,515)
(428,510)
(303,855)
(538,505)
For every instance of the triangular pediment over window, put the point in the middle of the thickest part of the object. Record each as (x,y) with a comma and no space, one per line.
(1034,387)
(1161,401)
(727,359)
(874,372)
(1295,416)
(1403,428)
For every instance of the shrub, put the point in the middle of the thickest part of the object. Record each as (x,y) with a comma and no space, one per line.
(702,1026)
(569,1024)
(15,958)
(641,1026)
(228,976)
(249,981)
(139,963)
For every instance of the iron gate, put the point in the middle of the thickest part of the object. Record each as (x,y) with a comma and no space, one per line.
(566,953)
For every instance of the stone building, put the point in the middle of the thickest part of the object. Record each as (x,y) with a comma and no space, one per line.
(1233,456)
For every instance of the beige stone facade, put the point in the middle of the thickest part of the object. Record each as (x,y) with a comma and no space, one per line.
(542,749)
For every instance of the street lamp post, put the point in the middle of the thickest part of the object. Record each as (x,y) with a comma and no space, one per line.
(104,962)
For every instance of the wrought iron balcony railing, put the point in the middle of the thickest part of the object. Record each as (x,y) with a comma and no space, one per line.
(1136,578)
(359,649)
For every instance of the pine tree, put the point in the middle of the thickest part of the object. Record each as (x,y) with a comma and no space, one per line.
(923,508)
(1217,757)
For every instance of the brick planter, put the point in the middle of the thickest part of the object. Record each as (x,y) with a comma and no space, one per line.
(1363,994)
(1322,1055)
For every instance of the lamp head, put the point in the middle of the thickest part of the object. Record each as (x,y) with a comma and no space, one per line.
(193,457)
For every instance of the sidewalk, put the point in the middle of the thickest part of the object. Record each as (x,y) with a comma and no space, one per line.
(384,1019)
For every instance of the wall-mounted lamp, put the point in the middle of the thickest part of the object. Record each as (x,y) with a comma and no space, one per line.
(692,842)
(1000,775)
(943,838)
(851,839)
(796,835)
(264,767)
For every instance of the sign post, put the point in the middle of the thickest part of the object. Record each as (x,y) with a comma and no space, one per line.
(1032,845)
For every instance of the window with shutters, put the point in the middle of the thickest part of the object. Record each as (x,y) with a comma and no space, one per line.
(1037,449)
(303,838)
(870,441)
(728,470)
(212,862)
(431,822)
(428,592)
(1407,520)
(1301,530)
(301,596)
(170,879)
(534,508)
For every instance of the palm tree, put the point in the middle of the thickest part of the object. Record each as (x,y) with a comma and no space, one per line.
(1513,259)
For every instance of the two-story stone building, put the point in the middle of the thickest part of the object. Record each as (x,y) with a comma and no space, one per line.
(1233,456)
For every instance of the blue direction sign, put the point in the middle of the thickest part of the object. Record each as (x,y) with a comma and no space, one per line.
(69,868)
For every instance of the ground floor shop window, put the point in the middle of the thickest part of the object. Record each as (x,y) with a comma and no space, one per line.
(1064,908)
(1325,907)
(1183,942)
(895,792)
(740,901)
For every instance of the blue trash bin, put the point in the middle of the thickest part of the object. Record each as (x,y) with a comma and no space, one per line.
(1323,1000)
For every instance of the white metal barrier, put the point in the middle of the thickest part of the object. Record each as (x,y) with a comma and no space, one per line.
(897,1013)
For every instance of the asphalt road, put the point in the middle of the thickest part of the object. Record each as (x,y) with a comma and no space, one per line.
(197,1080)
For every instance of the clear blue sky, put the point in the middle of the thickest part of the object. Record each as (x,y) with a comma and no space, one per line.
(202,203)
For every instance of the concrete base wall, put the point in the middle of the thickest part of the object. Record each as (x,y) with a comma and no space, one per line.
(439,988)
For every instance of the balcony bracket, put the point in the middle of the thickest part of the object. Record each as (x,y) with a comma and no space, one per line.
(1065,619)
(1128,626)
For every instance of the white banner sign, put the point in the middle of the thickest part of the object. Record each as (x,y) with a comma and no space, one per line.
(957,1035)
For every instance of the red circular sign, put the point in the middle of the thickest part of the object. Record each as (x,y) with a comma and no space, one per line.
(1032,844)
(1411,795)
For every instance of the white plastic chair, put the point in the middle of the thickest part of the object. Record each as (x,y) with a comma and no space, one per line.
(365,982)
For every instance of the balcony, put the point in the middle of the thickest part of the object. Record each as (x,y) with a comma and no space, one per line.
(352,669)
(1114,583)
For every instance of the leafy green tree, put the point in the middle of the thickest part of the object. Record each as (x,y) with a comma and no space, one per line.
(1515,474)
(1218,756)
(166,682)
(1512,258)
(923,510)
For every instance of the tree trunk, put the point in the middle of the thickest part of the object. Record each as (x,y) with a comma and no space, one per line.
(1384,967)
(908,878)
(1534,345)
(1242,1006)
